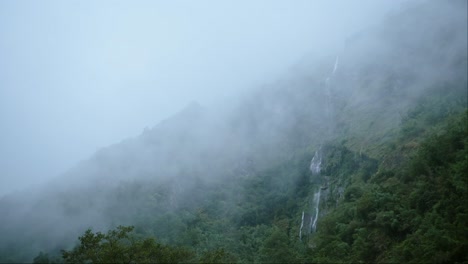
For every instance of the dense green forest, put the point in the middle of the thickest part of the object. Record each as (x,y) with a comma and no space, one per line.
(409,206)
(369,166)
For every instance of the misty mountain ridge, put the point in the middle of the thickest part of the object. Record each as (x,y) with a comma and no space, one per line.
(361,97)
(399,87)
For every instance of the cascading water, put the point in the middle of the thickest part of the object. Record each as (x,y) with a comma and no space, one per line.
(313,227)
(315,168)
(302,225)
(327,88)
(316,163)
(335,66)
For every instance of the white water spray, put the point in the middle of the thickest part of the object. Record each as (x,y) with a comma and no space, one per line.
(335,66)
(315,168)
(302,225)
(317,203)
(316,162)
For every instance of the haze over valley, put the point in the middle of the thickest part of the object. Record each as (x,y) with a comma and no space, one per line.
(234,132)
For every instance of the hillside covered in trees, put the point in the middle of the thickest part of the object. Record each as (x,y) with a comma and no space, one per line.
(361,157)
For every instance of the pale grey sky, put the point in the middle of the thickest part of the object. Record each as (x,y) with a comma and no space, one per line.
(76,76)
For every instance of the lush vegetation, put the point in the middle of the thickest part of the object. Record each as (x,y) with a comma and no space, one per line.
(413,212)
(408,207)
(393,185)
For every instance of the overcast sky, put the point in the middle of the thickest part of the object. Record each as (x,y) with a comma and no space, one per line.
(76,76)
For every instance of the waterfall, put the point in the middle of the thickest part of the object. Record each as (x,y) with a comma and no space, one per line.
(302,225)
(328,97)
(315,167)
(316,162)
(327,87)
(336,66)
(317,203)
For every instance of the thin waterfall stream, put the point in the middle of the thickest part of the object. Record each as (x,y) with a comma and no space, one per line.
(317,204)
(316,163)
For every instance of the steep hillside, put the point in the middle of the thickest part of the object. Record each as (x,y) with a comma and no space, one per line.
(361,158)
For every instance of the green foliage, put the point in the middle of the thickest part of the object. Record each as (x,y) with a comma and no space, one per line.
(217,256)
(118,246)
(42,258)
(413,213)
(391,191)
(407,206)
(275,248)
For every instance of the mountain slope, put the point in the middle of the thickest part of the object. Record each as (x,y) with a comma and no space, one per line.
(239,180)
